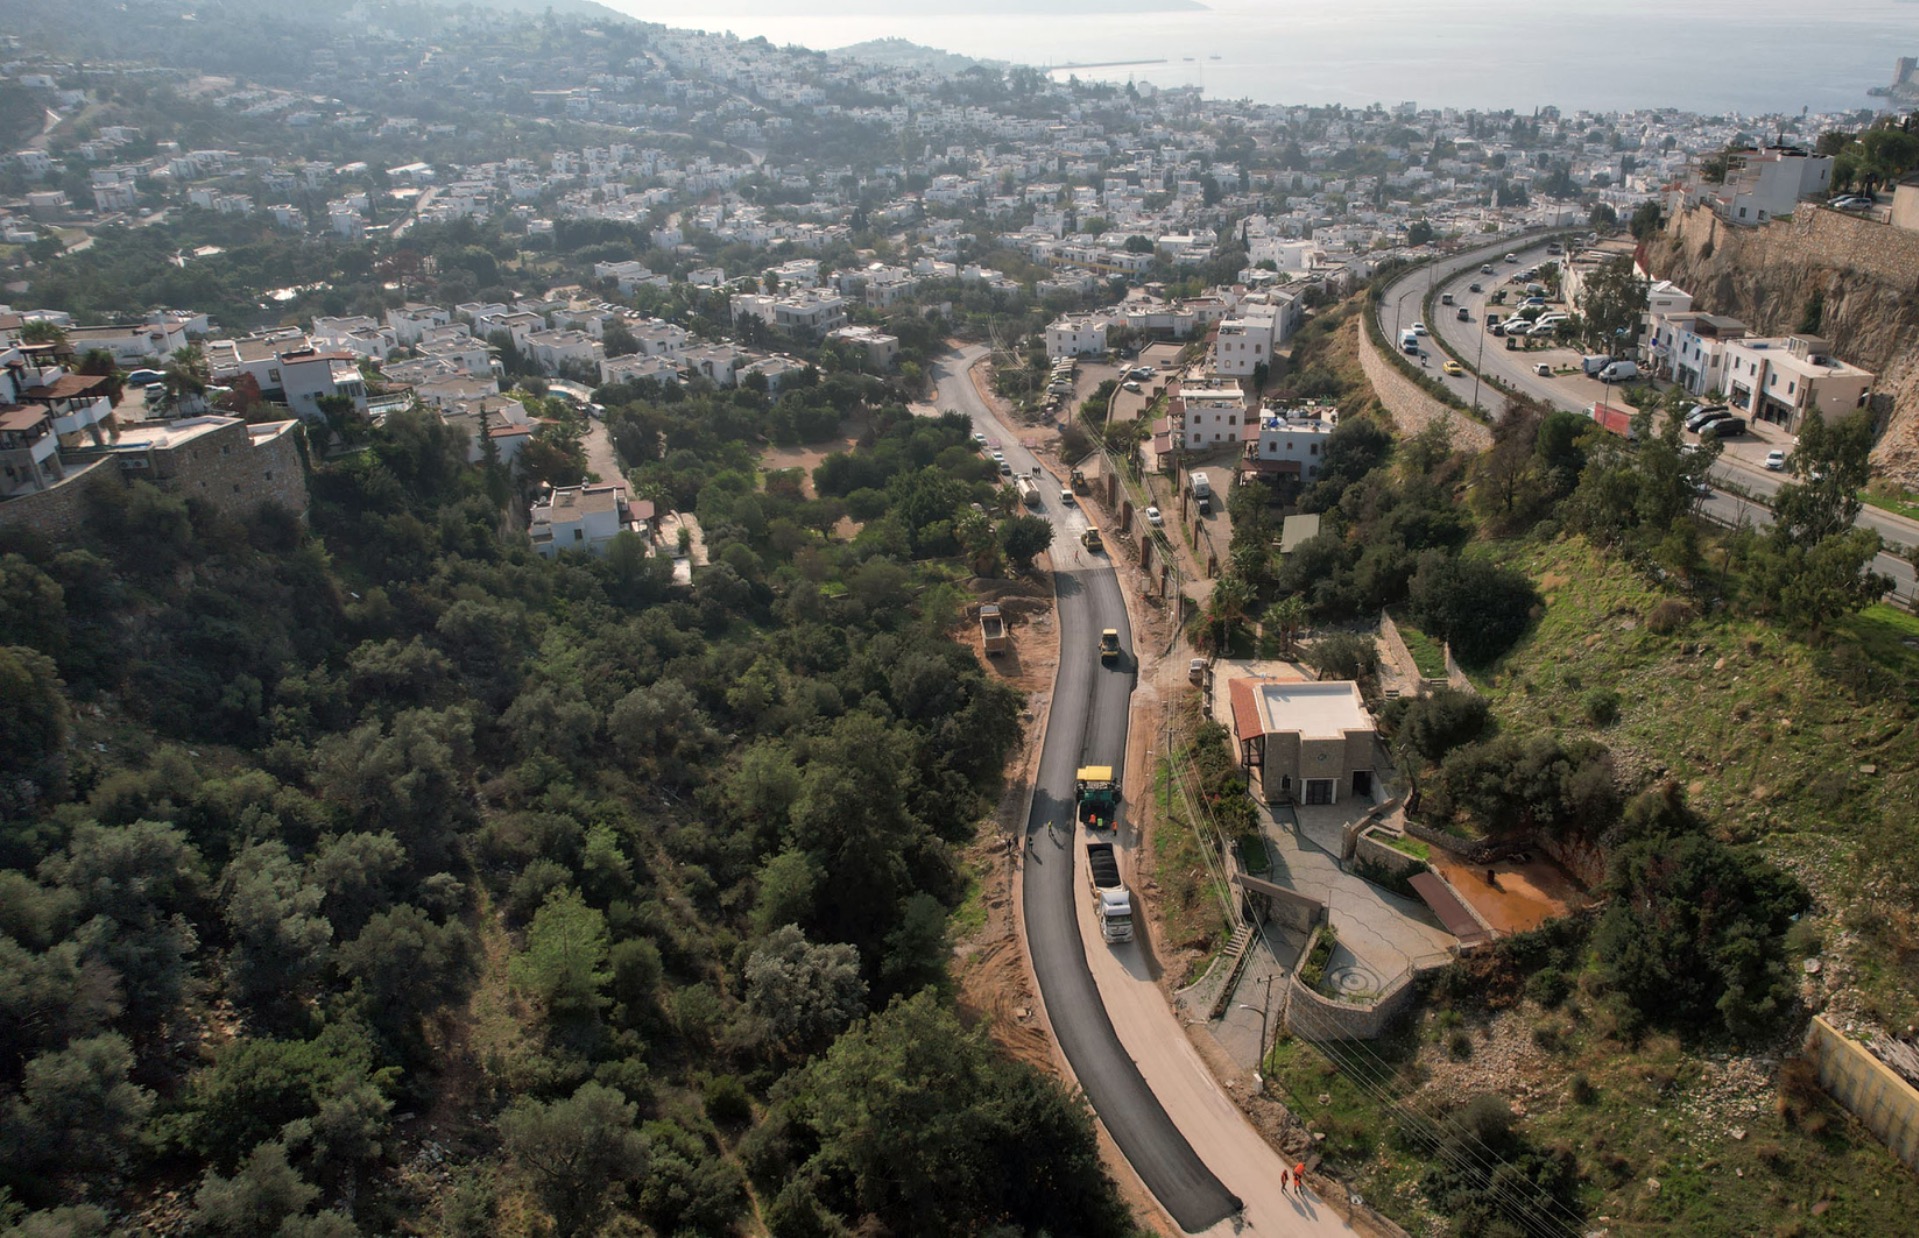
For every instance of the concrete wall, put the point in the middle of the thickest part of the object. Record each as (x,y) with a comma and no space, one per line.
(1886,1104)
(1411,408)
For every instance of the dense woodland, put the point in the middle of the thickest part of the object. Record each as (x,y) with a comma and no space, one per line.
(321,841)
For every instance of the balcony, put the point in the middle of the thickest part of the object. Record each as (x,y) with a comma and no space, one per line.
(73,416)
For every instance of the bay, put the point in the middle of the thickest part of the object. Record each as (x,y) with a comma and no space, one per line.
(1711,56)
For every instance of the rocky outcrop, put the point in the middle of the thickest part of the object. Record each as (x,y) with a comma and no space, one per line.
(1856,278)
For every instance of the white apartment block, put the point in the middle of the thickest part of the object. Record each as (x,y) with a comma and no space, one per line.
(1780,379)
(1209,417)
(879,349)
(805,309)
(1076,335)
(409,322)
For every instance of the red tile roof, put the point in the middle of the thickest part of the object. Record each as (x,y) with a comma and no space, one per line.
(1246,722)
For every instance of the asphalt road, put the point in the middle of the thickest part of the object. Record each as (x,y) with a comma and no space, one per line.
(1404,303)
(1087,725)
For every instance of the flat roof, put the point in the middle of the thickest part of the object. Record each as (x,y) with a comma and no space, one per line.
(1321,710)
(139,435)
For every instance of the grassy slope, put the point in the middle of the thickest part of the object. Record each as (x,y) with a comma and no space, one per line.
(1807,750)
(1769,735)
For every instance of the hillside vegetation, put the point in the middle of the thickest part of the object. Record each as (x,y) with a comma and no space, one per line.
(383,877)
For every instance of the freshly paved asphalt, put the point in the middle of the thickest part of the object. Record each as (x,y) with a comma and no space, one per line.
(1087,725)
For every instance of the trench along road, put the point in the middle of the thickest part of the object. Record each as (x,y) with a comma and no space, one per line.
(1189,1143)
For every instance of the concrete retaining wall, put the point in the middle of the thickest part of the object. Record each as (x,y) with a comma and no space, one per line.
(1413,409)
(1468,852)
(1887,1105)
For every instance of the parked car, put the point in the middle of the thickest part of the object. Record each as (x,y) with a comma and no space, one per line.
(1702,413)
(1154,518)
(1453,368)
(140,378)
(1852,202)
(1620,372)
(1775,461)
(1543,370)
(979,437)
(1725,427)
(1129,386)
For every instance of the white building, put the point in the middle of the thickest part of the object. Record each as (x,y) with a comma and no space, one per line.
(1780,379)
(578,518)
(1209,417)
(1762,184)
(1290,445)
(806,309)
(131,344)
(410,321)
(1076,335)
(309,375)
(878,348)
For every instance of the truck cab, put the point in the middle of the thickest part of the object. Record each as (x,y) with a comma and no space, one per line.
(1096,797)
(1109,647)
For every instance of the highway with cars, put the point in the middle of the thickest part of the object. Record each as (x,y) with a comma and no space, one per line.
(1744,489)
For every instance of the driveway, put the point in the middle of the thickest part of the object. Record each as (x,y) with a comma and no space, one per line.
(1183,1135)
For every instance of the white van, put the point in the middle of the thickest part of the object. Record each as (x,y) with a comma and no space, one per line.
(1619,372)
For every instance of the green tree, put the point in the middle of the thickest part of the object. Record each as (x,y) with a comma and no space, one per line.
(77,1110)
(575,1153)
(265,1193)
(803,994)
(934,1133)
(563,965)
(1612,301)
(1022,539)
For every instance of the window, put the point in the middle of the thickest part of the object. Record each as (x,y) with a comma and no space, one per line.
(273,376)
(1319,790)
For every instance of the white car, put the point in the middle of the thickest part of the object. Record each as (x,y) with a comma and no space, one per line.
(979,437)
(1419,328)
(1775,461)
(1154,518)
(1543,370)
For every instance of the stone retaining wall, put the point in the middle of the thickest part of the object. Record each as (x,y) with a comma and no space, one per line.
(1376,851)
(1317,1017)
(1413,409)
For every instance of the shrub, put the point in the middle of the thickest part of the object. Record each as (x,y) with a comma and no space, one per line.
(1601,706)
(727,1102)
(1669,616)
(1548,986)
(1459,1046)
(1583,1091)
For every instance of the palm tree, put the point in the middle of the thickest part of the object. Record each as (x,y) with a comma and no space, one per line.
(1232,598)
(185,375)
(1285,618)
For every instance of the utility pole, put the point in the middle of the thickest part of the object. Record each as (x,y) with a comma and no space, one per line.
(1265,1007)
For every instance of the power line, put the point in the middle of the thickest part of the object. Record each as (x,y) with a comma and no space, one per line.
(1532,1210)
